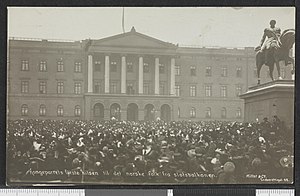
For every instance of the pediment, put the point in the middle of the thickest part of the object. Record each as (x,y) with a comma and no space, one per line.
(132,39)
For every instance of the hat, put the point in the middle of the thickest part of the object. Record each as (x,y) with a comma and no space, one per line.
(256,162)
(199,151)
(164,159)
(287,161)
(105,148)
(229,167)
(138,157)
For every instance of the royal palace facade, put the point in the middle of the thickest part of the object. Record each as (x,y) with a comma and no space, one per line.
(129,76)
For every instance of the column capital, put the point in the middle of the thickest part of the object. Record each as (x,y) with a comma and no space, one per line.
(107,54)
(141,55)
(123,54)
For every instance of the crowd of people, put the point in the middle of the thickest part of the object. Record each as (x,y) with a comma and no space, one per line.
(149,152)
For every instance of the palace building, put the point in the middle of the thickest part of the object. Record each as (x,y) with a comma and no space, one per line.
(129,76)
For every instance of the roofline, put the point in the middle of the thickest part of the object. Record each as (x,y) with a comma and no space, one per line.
(41,39)
(139,34)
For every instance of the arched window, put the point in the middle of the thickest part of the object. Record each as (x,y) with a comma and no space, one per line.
(208,112)
(24,110)
(77,110)
(223,113)
(42,110)
(60,110)
(238,113)
(193,112)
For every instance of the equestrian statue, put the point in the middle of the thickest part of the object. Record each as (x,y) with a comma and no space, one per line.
(274,47)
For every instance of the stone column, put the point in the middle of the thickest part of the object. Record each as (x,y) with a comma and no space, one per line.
(141,114)
(157,114)
(123,114)
(123,75)
(106,75)
(141,75)
(172,78)
(107,114)
(90,73)
(156,77)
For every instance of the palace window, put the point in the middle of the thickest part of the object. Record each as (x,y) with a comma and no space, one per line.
(223,91)
(97,66)
(60,110)
(238,90)
(238,113)
(239,72)
(78,67)
(43,66)
(193,91)
(130,88)
(97,86)
(129,67)
(162,88)
(193,71)
(60,87)
(77,87)
(43,87)
(208,90)
(24,65)
(146,68)
(42,110)
(223,113)
(162,68)
(177,90)
(24,110)
(224,72)
(113,87)
(60,66)
(24,86)
(193,112)
(77,110)
(208,112)
(177,70)
(208,71)
(146,89)
(113,66)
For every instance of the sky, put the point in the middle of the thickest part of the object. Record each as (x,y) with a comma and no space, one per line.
(193,26)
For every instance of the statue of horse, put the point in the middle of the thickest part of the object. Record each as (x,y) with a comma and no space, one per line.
(275,55)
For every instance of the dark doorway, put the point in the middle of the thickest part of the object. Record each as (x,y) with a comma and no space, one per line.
(165,112)
(149,112)
(132,112)
(115,111)
(98,111)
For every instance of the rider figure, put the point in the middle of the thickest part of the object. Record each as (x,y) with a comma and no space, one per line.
(273,33)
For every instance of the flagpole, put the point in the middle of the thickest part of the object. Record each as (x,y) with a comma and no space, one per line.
(123,21)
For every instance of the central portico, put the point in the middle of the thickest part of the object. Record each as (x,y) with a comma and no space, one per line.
(131,76)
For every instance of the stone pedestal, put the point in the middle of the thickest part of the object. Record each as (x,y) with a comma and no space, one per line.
(269,99)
